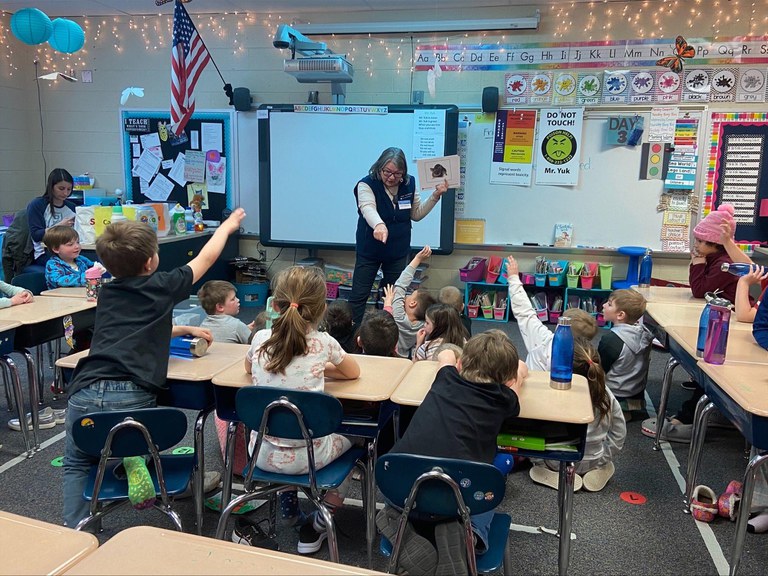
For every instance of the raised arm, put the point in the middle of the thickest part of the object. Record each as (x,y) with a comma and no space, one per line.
(212,249)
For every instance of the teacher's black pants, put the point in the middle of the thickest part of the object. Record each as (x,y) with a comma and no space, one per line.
(363,277)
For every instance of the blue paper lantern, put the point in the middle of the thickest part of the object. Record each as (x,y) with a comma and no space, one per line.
(67,36)
(31,26)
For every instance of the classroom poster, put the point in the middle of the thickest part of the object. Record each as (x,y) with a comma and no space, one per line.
(513,139)
(558,149)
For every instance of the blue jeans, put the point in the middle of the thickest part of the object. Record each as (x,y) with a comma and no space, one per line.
(103,396)
(364,276)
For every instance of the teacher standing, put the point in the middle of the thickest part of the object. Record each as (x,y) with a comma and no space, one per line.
(386,204)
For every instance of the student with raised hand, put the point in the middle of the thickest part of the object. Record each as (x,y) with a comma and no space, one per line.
(606,433)
(294,354)
(53,208)
(387,202)
(408,309)
(128,362)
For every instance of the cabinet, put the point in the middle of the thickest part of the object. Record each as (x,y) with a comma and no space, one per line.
(590,300)
(497,296)
(175,251)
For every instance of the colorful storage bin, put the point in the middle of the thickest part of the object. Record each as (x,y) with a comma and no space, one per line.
(474,270)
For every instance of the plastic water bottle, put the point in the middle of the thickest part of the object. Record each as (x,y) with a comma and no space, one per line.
(561,371)
(717,332)
(117,214)
(189,220)
(93,282)
(701,339)
(739,268)
(646,269)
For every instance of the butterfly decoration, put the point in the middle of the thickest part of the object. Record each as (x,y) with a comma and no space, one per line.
(675,62)
(432,75)
(131,91)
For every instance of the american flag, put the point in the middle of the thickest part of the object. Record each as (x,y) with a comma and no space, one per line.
(188,58)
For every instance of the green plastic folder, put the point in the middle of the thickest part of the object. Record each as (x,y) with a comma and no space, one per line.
(521,441)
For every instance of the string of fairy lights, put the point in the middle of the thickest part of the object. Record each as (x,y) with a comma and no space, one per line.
(575,21)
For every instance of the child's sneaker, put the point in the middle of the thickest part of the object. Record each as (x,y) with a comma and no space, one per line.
(290,513)
(704,504)
(312,535)
(45,420)
(249,533)
(60,415)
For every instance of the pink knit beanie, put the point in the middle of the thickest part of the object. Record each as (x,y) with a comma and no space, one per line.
(709,227)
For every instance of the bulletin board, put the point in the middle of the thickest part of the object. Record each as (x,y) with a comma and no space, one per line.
(610,207)
(738,171)
(148,132)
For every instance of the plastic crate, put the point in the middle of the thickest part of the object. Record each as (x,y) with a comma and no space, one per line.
(344,292)
(252,295)
(474,270)
(558,279)
(332,290)
(472,310)
(493,270)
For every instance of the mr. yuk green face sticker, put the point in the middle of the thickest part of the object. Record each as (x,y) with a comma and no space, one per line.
(558,147)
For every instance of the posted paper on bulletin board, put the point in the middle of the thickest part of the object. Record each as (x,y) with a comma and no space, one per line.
(513,141)
(558,149)
(469,231)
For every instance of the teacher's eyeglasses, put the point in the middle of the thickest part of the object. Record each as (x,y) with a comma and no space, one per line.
(388,174)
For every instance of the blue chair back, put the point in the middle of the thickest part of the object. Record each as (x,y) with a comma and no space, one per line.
(32,281)
(481,485)
(166,426)
(321,412)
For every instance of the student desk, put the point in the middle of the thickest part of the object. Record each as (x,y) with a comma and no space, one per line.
(41,321)
(740,392)
(677,327)
(34,547)
(538,401)
(189,387)
(175,251)
(147,550)
(670,295)
(65,292)
(379,376)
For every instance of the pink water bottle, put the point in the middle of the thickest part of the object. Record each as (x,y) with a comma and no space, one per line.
(717,332)
(92,283)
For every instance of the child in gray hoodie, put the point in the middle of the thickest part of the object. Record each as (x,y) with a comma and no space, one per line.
(625,351)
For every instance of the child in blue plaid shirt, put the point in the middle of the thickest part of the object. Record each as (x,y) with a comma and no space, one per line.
(66,267)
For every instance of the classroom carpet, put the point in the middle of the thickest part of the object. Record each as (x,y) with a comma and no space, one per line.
(644,532)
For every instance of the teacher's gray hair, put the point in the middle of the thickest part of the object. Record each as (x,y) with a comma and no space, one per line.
(394,155)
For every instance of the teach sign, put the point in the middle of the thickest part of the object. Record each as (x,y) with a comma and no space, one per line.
(558,147)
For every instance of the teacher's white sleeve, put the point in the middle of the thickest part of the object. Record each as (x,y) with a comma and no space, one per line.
(420,209)
(366,201)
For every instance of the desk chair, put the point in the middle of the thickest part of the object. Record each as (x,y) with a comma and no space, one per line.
(296,415)
(121,433)
(450,488)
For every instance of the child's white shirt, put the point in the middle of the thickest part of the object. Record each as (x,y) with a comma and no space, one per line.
(536,337)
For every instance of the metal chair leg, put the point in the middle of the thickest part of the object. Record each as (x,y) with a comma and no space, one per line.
(10,366)
(666,384)
(229,464)
(703,409)
(750,478)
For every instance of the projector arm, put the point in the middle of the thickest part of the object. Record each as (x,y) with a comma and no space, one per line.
(287,37)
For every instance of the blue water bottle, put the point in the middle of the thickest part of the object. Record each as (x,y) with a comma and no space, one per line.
(561,371)
(646,268)
(702,337)
(739,268)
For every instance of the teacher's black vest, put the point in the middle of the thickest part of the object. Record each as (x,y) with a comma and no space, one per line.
(398,223)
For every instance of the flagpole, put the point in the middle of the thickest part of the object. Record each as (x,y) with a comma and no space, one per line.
(227,85)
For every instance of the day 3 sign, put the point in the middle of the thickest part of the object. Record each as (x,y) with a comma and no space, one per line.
(558,148)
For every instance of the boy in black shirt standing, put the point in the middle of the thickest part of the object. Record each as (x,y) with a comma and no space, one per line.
(128,361)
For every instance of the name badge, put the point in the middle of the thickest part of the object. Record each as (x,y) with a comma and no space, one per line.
(404,204)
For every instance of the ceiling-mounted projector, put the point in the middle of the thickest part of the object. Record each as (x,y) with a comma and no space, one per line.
(332,68)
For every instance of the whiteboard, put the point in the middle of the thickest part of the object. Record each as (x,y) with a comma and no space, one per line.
(610,207)
(309,164)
